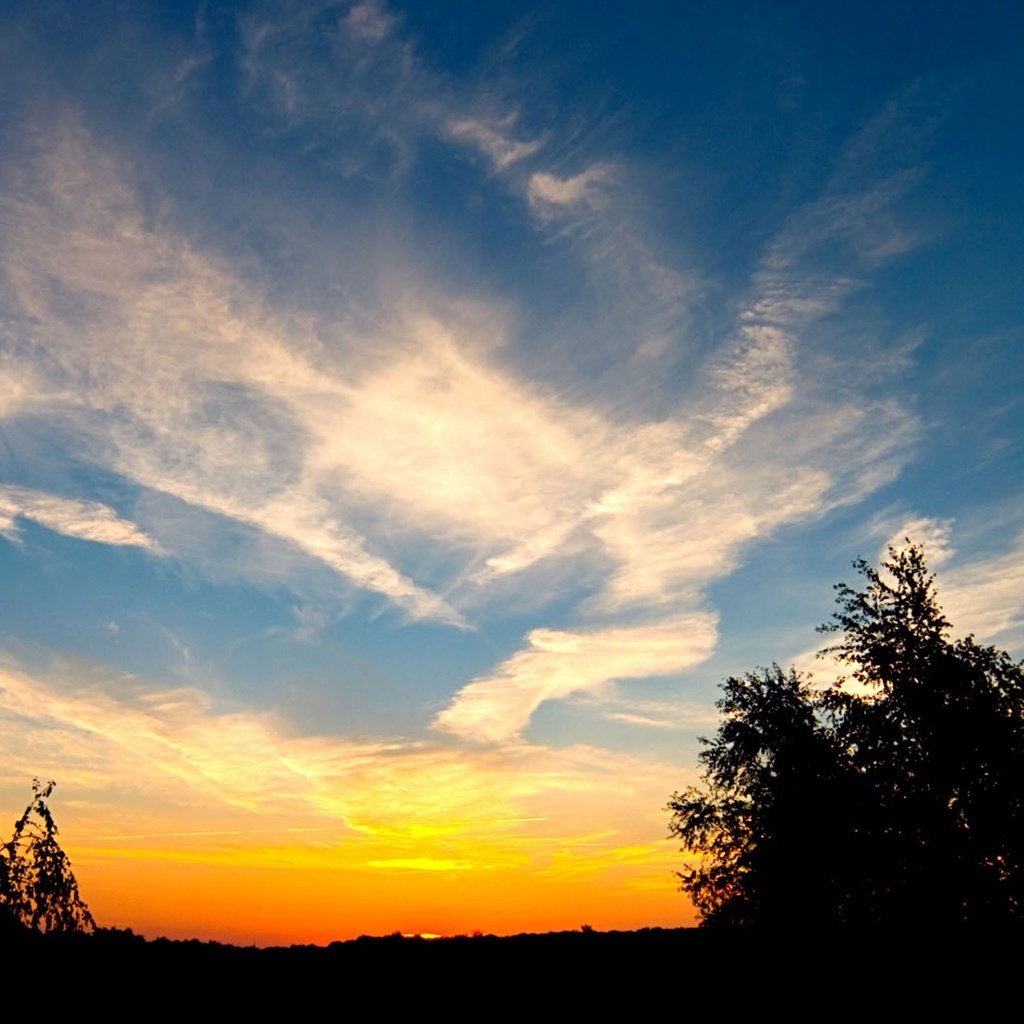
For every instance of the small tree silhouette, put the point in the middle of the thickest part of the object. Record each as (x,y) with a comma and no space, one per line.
(37,885)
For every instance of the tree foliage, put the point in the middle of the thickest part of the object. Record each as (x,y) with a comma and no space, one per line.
(37,886)
(896,801)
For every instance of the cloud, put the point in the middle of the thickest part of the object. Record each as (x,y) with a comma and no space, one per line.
(934,535)
(370,20)
(378,112)
(382,93)
(412,438)
(685,498)
(16,387)
(210,397)
(186,384)
(73,517)
(754,378)
(446,439)
(558,663)
(493,139)
(985,596)
(641,297)
(546,190)
(620,703)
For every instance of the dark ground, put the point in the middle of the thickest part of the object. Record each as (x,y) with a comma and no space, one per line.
(670,973)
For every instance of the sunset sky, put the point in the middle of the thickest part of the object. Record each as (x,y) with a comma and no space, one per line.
(411,412)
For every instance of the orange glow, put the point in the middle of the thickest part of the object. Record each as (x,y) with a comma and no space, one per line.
(269,906)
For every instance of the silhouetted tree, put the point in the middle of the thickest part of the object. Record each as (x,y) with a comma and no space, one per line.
(936,747)
(759,822)
(37,886)
(900,801)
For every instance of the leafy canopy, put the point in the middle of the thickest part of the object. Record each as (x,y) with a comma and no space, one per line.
(37,885)
(900,801)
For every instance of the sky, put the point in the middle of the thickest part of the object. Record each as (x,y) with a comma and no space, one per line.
(410,413)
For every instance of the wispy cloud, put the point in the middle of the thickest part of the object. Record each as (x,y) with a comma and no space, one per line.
(241,413)
(546,191)
(185,383)
(73,517)
(372,80)
(556,664)
(493,139)
(378,87)
(684,502)
(934,535)
(986,596)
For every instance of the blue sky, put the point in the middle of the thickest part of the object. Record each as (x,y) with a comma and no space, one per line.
(407,409)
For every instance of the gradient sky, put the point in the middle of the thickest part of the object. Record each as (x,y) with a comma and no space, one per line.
(410,413)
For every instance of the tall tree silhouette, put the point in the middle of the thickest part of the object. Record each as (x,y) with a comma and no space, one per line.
(897,801)
(937,748)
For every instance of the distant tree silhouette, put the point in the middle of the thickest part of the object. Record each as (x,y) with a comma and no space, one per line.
(37,886)
(900,801)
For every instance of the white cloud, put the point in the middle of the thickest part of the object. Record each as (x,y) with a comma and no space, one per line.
(675,713)
(186,384)
(391,101)
(754,378)
(446,439)
(84,520)
(558,663)
(935,535)
(985,597)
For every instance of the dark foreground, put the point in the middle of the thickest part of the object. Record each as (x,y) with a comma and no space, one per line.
(675,970)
